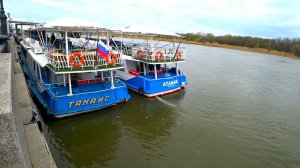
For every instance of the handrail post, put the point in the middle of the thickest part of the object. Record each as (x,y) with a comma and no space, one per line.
(64,79)
(155,72)
(70,85)
(144,67)
(112,79)
(67,48)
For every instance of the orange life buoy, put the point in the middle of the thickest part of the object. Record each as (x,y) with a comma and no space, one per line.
(159,56)
(76,59)
(111,62)
(140,54)
(178,54)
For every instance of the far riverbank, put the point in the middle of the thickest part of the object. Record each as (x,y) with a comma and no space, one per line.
(214,44)
(257,50)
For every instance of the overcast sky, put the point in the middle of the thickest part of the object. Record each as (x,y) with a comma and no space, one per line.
(262,18)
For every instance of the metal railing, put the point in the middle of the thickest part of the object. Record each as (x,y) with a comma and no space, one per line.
(59,61)
(160,78)
(158,54)
(56,95)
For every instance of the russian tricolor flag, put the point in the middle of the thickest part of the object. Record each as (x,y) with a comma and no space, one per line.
(102,49)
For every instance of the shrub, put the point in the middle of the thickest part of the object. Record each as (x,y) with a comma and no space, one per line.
(296,50)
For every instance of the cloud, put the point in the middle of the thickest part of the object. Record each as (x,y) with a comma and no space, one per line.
(264,18)
(51,3)
(72,22)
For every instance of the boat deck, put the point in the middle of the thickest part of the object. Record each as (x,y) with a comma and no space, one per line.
(160,74)
(61,91)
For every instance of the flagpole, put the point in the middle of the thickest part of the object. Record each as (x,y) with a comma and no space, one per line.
(176,50)
(96,61)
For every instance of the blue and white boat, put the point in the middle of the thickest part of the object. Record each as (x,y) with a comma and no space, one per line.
(153,70)
(67,74)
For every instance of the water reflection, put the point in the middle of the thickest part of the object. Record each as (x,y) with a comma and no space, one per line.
(86,140)
(92,139)
(240,109)
(149,120)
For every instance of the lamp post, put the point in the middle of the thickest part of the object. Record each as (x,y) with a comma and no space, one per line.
(3,19)
(3,29)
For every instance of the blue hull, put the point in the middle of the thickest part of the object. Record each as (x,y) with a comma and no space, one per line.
(166,83)
(81,102)
(85,98)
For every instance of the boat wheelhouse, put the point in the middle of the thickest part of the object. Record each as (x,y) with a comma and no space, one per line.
(67,73)
(152,69)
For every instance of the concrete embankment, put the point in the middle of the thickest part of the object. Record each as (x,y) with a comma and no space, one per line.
(22,144)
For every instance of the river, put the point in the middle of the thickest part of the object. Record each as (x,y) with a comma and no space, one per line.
(240,109)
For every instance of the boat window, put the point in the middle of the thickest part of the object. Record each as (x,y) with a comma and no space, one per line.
(132,65)
(74,76)
(123,69)
(44,72)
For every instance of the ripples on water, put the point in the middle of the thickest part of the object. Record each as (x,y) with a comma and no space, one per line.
(240,109)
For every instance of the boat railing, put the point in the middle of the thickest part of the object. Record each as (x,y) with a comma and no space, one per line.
(41,85)
(160,71)
(74,82)
(159,54)
(164,78)
(59,61)
(56,95)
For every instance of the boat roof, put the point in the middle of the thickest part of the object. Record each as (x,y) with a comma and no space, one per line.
(23,22)
(71,29)
(41,59)
(73,22)
(73,25)
(150,30)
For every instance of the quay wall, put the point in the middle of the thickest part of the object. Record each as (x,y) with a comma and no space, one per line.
(22,143)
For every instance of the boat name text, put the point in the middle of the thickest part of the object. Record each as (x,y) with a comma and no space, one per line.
(88,101)
(170,83)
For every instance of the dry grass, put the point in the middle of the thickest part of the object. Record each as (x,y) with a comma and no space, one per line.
(258,50)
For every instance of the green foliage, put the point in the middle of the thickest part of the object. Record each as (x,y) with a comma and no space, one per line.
(296,49)
(269,48)
(284,44)
(280,44)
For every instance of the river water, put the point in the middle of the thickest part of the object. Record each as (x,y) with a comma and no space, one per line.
(240,109)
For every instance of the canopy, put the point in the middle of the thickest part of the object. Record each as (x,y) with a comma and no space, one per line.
(72,25)
(72,22)
(146,29)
